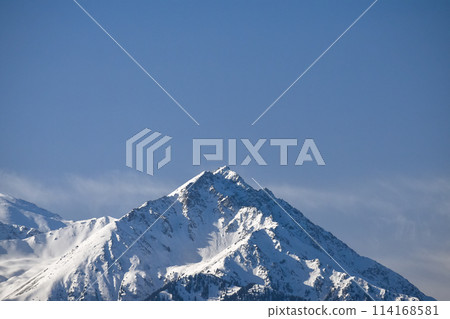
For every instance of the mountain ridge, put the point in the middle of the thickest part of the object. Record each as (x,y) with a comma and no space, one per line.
(19,212)
(213,238)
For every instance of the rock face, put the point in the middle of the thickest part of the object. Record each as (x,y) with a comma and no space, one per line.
(213,238)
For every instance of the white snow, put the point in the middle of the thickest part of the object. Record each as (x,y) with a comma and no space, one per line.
(220,239)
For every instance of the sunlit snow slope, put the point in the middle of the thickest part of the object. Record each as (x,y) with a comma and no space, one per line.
(213,238)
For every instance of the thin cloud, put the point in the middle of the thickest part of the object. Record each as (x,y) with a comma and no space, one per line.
(401,222)
(80,197)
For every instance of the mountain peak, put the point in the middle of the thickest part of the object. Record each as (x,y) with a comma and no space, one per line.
(18,212)
(216,239)
(228,173)
(223,169)
(222,175)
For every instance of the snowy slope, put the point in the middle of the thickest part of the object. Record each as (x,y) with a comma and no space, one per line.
(22,213)
(213,238)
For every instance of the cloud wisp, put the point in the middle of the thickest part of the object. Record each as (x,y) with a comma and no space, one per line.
(80,197)
(401,222)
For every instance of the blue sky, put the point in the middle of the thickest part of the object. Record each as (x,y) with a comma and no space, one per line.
(377,106)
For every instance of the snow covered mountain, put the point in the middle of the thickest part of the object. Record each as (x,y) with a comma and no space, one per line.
(213,238)
(21,219)
(22,213)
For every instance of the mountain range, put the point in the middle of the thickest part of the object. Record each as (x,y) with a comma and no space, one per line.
(213,238)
